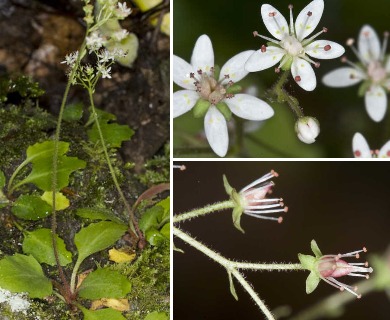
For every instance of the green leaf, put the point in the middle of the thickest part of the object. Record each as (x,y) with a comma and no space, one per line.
(312,282)
(165,230)
(103,314)
(39,151)
(98,214)
(307,261)
(73,112)
(154,237)
(315,249)
(39,244)
(237,213)
(156,316)
(113,133)
(102,116)
(20,273)
(42,172)
(154,216)
(97,237)
(231,284)
(104,283)
(30,207)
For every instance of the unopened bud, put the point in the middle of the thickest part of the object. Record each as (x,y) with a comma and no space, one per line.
(307,129)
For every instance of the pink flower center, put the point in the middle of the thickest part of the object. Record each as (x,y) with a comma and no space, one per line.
(376,72)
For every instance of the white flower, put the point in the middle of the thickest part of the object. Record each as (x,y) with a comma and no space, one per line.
(123,11)
(307,129)
(214,98)
(104,71)
(120,35)
(362,150)
(70,59)
(373,68)
(105,56)
(291,48)
(95,41)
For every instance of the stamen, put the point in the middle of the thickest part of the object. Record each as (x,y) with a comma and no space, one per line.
(263,48)
(181,167)
(292,32)
(257,212)
(266,38)
(309,14)
(265,217)
(277,70)
(353,65)
(272,14)
(284,60)
(305,42)
(297,78)
(264,178)
(200,71)
(350,43)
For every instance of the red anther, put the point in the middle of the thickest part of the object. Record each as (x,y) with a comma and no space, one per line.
(388,153)
(317,64)
(280,219)
(192,75)
(255,33)
(285,209)
(324,29)
(310,13)
(367,276)
(200,71)
(364,249)
(226,76)
(297,78)
(357,256)
(263,48)
(274,173)
(327,47)
(357,153)
(290,6)
(386,33)
(230,83)
(272,14)
(277,70)
(350,42)
(343,59)
(366,264)
(359,296)
(212,69)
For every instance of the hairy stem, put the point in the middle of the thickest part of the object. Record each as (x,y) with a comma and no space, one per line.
(233,266)
(228,204)
(55,166)
(133,222)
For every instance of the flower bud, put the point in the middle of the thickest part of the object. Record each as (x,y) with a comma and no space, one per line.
(307,129)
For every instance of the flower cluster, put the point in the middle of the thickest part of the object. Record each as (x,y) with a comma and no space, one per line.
(252,200)
(373,69)
(213,94)
(332,266)
(292,48)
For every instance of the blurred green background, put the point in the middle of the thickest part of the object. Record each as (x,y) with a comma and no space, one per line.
(340,111)
(343,205)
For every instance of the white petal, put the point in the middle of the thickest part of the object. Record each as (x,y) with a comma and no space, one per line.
(376,103)
(181,73)
(203,54)
(235,67)
(384,152)
(324,49)
(360,146)
(302,69)
(276,24)
(183,101)
(249,107)
(343,77)
(216,131)
(305,24)
(262,60)
(368,44)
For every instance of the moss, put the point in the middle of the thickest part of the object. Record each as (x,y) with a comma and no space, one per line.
(149,276)
(156,169)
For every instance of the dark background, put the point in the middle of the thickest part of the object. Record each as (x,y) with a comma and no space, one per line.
(342,205)
(341,113)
